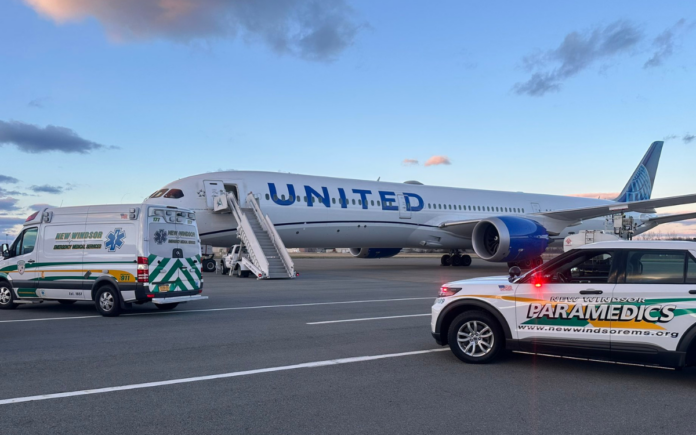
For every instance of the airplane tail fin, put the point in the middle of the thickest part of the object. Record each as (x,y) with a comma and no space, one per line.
(639,186)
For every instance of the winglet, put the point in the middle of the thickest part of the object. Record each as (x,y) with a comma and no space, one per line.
(639,186)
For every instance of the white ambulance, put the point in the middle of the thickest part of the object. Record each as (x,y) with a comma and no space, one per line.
(114,255)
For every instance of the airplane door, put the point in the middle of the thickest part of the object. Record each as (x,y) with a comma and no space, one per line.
(404,209)
(213,188)
(536,207)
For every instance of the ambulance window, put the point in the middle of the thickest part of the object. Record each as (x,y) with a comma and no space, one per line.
(159,193)
(691,270)
(175,194)
(268,197)
(28,241)
(655,267)
(586,267)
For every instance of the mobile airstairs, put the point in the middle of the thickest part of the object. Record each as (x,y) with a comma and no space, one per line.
(267,257)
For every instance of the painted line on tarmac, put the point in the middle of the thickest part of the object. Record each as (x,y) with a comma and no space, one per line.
(223,309)
(367,318)
(331,362)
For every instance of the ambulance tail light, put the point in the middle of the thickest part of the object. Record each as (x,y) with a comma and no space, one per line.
(143,270)
(448,291)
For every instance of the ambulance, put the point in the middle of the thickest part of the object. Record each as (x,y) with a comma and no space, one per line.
(114,255)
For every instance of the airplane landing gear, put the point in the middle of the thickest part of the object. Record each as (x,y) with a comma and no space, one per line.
(455,259)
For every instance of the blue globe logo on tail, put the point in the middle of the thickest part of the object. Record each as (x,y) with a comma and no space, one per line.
(639,188)
(114,240)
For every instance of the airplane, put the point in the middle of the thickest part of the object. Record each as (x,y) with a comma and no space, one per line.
(377,219)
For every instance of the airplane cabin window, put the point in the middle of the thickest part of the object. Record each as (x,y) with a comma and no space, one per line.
(275,197)
(268,197)
(298,198)
(372,202)
(379,203)
(174,194)
(353,202)
(305,199)
(333,200)
(360,202)
(282,197)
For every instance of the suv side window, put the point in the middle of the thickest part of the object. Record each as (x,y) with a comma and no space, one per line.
(655,267)
(690,270)
(586,266)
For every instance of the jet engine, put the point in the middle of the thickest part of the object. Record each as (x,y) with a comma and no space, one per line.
(374,252)
(509,239)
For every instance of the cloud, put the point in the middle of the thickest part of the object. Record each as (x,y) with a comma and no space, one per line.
(688,138)
(38,207)
(8,179)
(9,225)
(577,52)
(4,192)
(53,190)
(309,29)
(597,195)
(8,204)
(33,139)
(38,103)
(409,162)
(670,137)
(437,160)
(664,43)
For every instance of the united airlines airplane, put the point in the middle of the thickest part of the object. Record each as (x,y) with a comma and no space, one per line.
(378,219)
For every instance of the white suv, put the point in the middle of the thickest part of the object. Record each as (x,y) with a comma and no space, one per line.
(619,301)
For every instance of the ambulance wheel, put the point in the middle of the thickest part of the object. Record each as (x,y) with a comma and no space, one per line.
(466,260)
(167,307)
(6,296)
(66,302)
(107,302)
(209,266)
(445,260)
(456,260)
(475,337)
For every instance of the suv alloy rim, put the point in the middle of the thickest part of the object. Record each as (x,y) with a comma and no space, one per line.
(5,295)
(106,301)
(475,338)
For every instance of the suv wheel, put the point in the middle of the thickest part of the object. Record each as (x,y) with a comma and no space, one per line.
(6,297)
(475,337)
(107,302)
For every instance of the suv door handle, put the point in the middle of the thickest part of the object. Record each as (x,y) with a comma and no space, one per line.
(692,292)
(31,261)
(591,292)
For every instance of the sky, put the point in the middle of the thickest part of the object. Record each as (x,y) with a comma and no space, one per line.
(105,102)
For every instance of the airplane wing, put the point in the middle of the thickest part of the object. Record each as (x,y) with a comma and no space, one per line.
(646,206)
(671,218)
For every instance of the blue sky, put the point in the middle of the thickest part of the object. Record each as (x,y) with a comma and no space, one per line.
(154,90)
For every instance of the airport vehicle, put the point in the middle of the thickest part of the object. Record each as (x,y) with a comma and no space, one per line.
(586,237)
(618,301)
(114,255)
(237,261)
(378,218)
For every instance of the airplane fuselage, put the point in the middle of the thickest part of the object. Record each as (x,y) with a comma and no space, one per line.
(311,211)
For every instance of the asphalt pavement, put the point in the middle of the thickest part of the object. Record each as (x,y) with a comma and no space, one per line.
(344,348)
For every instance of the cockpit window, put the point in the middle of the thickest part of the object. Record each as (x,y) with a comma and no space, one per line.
(175,194)
(159,193)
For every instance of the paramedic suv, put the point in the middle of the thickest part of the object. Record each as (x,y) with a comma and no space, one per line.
(618,301)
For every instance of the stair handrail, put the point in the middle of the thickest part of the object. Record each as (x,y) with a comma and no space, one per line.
(268,226)
(246,233)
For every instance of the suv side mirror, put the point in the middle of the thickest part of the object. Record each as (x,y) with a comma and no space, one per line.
(5,250)
(514,272)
